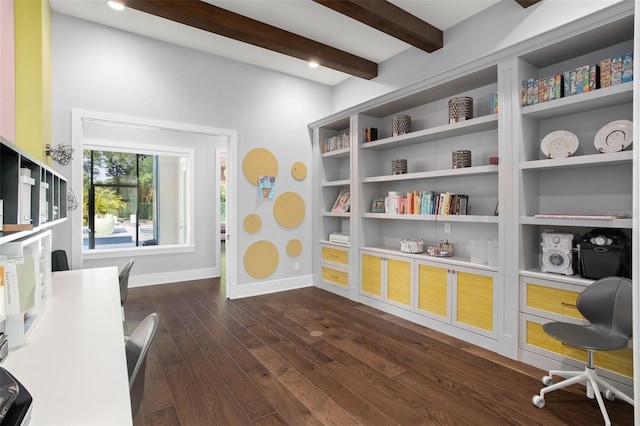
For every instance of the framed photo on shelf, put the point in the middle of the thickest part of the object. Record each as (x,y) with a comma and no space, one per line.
(343,200)
(377,205)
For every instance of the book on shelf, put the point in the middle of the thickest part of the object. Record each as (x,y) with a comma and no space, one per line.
(343,200)
(579,216)
(426,203)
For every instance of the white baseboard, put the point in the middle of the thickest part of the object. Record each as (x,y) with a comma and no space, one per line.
(266,287)
(245,290)
(173,276)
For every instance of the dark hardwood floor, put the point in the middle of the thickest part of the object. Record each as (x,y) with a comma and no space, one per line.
(310,357)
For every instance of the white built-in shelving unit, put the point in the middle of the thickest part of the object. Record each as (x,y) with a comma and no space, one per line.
(34,199)
(495,306)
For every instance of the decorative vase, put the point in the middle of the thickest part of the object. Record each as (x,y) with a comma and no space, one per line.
(460,159)
(460,109)
(104,225)
(398,167)
(401,125)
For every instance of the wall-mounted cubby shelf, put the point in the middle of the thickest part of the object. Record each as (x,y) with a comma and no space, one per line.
(34,195)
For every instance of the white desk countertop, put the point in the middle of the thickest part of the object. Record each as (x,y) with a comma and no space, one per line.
(73,361)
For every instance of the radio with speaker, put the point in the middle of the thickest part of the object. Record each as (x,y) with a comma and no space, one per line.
(557,253)
(604,252)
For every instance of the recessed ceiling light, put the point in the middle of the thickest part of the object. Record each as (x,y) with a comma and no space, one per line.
(313,64)
(115,5)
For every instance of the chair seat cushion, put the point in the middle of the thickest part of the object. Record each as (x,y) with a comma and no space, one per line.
(589,336)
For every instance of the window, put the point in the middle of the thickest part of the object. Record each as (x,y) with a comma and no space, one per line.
(133,198)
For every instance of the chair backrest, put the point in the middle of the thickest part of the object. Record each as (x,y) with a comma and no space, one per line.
(59,261)
(607,303)
(124,281)
(136,350)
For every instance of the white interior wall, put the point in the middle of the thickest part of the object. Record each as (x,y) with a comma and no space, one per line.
(102,69)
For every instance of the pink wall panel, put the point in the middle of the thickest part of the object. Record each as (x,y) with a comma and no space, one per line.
(7,72)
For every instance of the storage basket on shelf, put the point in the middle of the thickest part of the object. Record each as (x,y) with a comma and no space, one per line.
(412,246)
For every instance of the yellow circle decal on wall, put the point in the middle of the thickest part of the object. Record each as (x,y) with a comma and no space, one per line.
(259,162)
(288,209)
(261,259)
(299,170)
(252,223)
(294,247)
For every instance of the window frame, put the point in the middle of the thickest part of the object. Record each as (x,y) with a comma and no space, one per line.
(158,150)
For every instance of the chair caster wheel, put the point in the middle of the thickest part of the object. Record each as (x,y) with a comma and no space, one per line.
(609,395)
(547,380)
(538,401)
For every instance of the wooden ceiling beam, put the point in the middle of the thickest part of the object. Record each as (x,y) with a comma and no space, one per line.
(208,17)
(527,3)
(390,19)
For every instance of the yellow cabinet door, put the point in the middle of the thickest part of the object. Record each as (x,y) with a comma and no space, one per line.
(335,255)
(433,286)
(554,300)
(399,281)
(371,280)
(620,361)
(474,300)
(335,276)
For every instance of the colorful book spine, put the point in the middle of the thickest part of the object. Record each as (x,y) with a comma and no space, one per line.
(542,90)
(627,67)
(559,89)
(605,72)
(616,70)
(551,87)
(582,79)
(494,103)
(530,91)
(572,83)
(567,83)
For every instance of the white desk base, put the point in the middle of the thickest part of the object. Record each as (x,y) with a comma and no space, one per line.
(73,361)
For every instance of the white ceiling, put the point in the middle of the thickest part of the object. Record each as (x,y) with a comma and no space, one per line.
(303,17)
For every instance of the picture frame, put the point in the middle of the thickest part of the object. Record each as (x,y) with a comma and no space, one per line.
(377,205)
(343,200)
